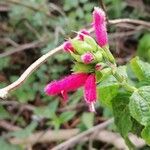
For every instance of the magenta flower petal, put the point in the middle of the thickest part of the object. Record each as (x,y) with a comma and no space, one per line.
(90,91)
(64,95)
(82,33)
(99,24)
(69,83)
(68,46)
(87,58)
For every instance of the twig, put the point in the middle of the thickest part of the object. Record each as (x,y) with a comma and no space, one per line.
(8,126)
(21,48)
(116,140)
(4,91)
(131,21)
(48,136)
(76,139)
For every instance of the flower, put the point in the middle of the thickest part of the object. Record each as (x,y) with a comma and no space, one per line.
(68,46)
(90,91)
(87,58)
(69,83)
(99,24)
(72,83)
(82,33)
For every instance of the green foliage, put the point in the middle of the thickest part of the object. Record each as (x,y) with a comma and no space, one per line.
(3,113)
(140,105)
(107,90)
(6,146)
(144,47)
(122,114)
(47,111)
(141,69)
(24,132)
(88,120)
(146,134)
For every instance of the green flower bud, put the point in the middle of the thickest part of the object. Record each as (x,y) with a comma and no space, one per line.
(109,54)
(91,42)
(98,55)
(81,46)
(76,57)
(79,67)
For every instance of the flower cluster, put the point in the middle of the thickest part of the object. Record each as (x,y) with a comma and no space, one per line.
(90,62)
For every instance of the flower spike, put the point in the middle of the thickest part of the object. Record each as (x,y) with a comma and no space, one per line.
(99,24)
(90,91)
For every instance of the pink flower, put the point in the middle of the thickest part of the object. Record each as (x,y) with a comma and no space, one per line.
(68,46)
(69,83)
(90,92)
(87,58)
(82,33)
(99,24)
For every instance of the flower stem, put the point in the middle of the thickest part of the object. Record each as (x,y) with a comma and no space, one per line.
(123,82)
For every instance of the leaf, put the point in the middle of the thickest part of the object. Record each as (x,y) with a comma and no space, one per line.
(141,69)
(107,90)
(146,134)
(144,47)
(122,114)
(24,132)
(88,119)
(3,113)
(140,105)
(66,116)
(6,146)
(47,112)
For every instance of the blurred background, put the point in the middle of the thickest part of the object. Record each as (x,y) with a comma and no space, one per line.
(31,28)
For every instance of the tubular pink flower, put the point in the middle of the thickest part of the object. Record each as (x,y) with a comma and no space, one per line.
(68,46)
(99,24)
(90,91)
(69,83)
(87,58)
(82,33)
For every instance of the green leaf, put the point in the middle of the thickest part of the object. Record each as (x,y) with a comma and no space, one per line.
(146,134)
(144,47)
(140,105)
(79,67)
(88,119)
(122,114)
(136,127)
(25,132)
(66,116)
(3,113)
(107,90)
(6,146)
(141,69)
(48,111)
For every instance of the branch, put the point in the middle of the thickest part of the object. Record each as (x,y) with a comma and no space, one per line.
(74,140)
(45,137)
(130,21)
(21,48)
(4,91)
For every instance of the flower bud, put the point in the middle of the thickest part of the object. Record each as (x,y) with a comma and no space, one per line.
(82,34)
(91,42)
(100,66)
(81,46)
(68,46)
(99,56)
(87,58)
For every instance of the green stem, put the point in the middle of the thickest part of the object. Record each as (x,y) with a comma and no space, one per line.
(123,82)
